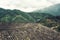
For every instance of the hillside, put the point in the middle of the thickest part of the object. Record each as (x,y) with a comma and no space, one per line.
(47,20)
(15,16)
(10,16)
(29,31)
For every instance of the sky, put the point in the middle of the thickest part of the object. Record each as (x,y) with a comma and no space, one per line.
(27,5)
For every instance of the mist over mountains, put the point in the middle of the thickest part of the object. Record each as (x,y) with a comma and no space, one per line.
(49,17)
(54,10)
(11,15)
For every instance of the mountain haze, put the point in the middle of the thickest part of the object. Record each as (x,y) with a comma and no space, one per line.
(49,17)
(54,10)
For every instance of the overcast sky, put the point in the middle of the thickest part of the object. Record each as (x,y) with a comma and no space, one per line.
(27,5)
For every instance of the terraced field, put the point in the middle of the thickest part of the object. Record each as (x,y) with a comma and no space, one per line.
(28,31)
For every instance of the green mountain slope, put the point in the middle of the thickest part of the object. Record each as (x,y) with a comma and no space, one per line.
(7,16)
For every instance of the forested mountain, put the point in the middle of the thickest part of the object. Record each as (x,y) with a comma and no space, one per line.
(8,16)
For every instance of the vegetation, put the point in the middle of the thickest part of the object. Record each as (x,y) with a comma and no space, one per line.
(8,16)
(29,31)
